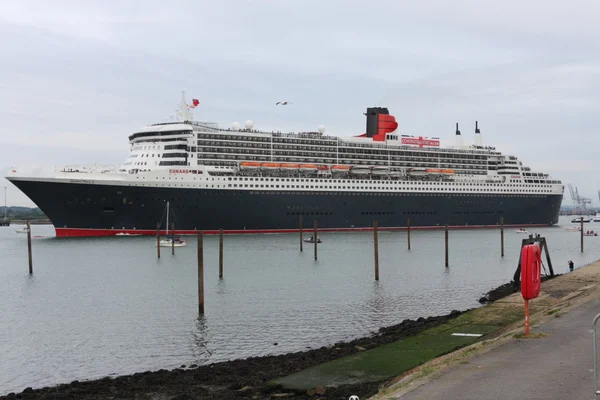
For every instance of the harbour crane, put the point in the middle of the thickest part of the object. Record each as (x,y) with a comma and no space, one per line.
(579,202)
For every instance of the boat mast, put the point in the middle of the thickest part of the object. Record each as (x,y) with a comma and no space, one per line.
(167,227)
(5,207)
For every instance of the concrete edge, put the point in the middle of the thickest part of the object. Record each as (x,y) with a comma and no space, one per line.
(432,369)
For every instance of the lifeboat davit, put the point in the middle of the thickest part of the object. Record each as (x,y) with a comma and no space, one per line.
(289,167)
(340,168)
(270,166)
(308,168)
(249,165)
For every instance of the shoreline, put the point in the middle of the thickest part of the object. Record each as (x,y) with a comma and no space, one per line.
(249,377)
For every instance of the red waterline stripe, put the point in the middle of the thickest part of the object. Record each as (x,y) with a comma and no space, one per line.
(87,232)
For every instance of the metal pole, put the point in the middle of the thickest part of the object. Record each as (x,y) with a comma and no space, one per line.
(408,230)
(376,250)
(301,233)
(158,238)
(173,238)
(502,236)
(200,274)
(595,356)
(316,239)
(446,240)
(221,253)
(29,248)
(581,234)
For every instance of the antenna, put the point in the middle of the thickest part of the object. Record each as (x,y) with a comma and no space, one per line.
(476,128)
(457,131)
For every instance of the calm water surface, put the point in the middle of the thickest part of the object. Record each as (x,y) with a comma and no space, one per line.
(108,306)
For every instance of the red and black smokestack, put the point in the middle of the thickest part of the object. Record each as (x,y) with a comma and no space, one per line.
(379,122)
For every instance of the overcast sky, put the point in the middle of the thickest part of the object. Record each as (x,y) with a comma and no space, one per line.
(76,79)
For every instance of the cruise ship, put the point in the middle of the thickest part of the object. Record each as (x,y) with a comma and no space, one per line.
(247,180)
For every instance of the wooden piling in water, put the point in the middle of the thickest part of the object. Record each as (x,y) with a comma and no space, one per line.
(316,239)
(408,231)
(446,240)
(29,248)
(158,239)
(173,238)
(221,253)
(301,240)
(581,234)
(200,274)
(376,250)
(501,236)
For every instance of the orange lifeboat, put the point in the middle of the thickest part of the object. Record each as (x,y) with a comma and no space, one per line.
(270,166)
(249,165)
(308,168)
(322,167)
(340,168)
(447,171)
(434,171)
(289,167)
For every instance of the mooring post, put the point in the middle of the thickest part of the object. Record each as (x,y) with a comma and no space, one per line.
(581,234)
(173,238)
(502,236)
(301,233)
(316,239)
(221,253)
(408,231)
(158,239)
(376,250)
(200,274)
(446,240)
(29,248)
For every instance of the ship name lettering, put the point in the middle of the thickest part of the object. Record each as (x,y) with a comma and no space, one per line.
(81,181)
(179,171)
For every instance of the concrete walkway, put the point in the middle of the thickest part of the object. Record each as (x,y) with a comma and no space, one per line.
(556,366)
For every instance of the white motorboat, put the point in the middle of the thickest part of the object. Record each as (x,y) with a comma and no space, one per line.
(578,220)
(597,217)
(22,230)
(522,230)
(168,242)
(573,229)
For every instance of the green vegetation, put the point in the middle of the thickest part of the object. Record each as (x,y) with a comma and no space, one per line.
(23,213)
(389,360)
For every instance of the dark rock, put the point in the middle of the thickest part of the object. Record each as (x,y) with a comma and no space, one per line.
(28,390)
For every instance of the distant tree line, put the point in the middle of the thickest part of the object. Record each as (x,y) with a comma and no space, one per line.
(22,213)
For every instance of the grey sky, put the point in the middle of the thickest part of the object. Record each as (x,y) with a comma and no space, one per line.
(76,79)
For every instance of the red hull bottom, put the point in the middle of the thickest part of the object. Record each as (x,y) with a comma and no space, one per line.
(83,232)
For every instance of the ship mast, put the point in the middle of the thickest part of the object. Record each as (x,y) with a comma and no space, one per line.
(5,207)
(184,112)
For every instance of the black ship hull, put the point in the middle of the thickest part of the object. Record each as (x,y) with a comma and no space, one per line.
(104,210)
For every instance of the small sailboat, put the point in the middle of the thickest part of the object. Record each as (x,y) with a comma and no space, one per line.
(173,241)
(312,240)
